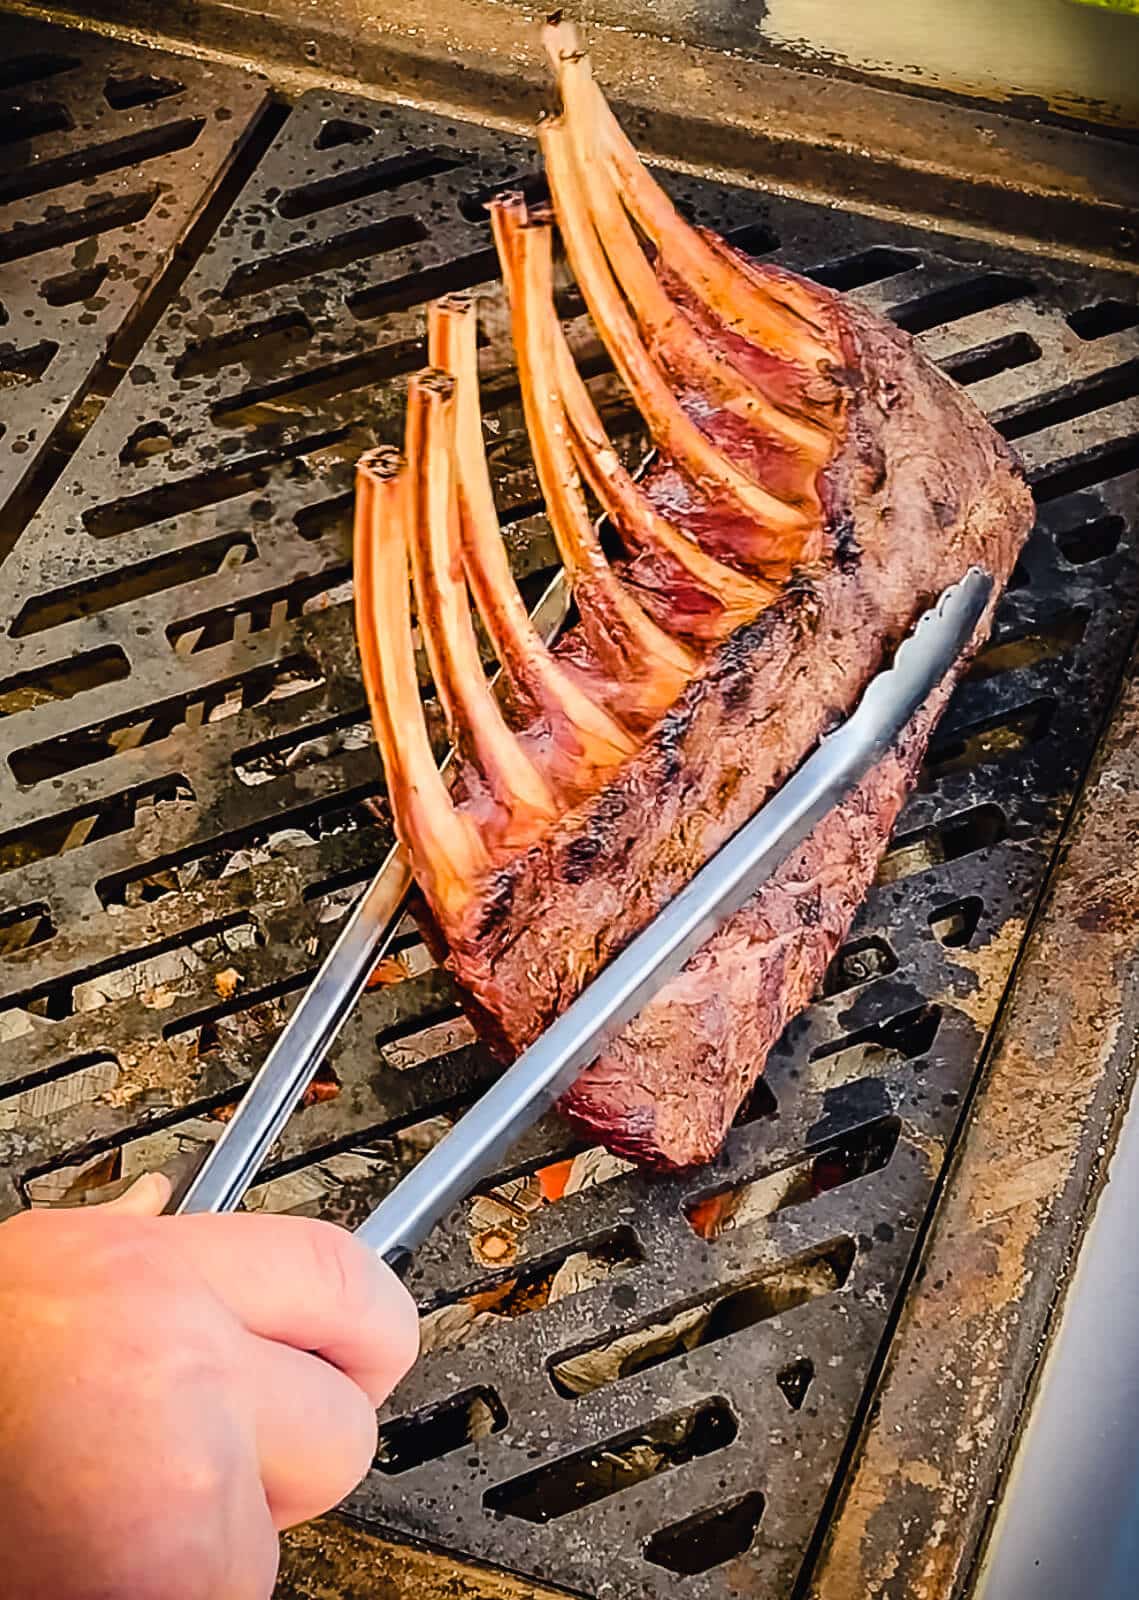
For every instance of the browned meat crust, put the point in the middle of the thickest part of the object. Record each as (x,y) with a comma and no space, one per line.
(922,490)
(816,483)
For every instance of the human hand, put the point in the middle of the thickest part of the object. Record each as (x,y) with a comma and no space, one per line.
(174,1390)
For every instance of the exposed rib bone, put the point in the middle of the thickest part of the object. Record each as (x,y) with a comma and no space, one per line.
(780,528)
(633,515)
(623,501)
(584,741)
(444,845)
(638,650)
(783,320)
(473,715)
(640,526)
(668,332)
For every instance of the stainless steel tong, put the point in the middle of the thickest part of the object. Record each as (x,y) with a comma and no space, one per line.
(544,1071)
(217,1181)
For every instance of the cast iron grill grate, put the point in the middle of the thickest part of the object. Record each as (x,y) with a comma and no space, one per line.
(650,1380)
(110,155)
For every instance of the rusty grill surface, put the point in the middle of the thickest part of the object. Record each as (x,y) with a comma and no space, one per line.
(644,1386)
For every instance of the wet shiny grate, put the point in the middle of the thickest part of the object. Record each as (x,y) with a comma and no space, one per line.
(110,157)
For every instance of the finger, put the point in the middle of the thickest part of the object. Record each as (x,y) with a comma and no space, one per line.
(146,1197)
(311,1285)
(315,1428)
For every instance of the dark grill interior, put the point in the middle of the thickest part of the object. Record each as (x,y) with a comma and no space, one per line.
(209,304)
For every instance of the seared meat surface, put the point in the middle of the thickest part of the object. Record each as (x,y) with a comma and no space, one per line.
(815,484)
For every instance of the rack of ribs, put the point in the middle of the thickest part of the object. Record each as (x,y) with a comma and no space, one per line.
(814,482)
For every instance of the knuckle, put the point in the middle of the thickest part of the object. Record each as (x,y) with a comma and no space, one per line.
(344,1266)
(118,1252)
(198,1361)
(198,1484)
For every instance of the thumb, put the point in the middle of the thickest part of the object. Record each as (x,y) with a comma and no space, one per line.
(145,1198)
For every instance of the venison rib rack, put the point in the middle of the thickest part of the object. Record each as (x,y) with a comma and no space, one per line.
(814,484)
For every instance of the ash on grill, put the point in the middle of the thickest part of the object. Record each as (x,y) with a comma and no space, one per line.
(645,1379)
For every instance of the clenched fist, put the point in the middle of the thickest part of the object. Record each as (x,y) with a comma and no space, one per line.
(174,1390)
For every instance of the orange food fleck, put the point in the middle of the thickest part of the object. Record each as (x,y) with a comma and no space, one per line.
(390,970)
(320,1089)
(553,1180)
(227,982)
(495,1247)
(707,1215)
(490,1299)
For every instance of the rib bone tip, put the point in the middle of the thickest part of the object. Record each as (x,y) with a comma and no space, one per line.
(432,381)
(381,463)
(458,303)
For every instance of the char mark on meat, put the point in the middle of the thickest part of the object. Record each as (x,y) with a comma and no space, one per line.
(814,483)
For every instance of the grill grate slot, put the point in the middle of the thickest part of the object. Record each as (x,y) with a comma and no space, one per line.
(149,578)
(200,491)
(987,360)
(36,763)
(957,921)
(123,977)
(411,1441)
(87,222)
(865,266)
(866,1150)
(118,813)
(859,962)
(1106,316)
(125,90)
(976,829)
(378,177)
(68,287)
(1121,383)
(24,926)
(59,682)
(998,738)
(591,1475)
(355,244)
(25,366)
(642,1347)
(116,154)
(795,1380)
(197,534)
(983,293)
(1110,460)
(35,66)
(707,1539)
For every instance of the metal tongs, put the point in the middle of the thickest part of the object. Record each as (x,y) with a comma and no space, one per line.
(544,1071)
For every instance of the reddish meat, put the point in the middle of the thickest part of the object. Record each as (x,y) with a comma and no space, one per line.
(816,483)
